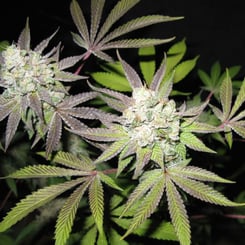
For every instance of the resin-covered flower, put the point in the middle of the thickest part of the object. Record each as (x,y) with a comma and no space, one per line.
(31,82)
(150,124)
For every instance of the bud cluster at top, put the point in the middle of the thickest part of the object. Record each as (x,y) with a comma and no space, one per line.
(150,120)
(23,72)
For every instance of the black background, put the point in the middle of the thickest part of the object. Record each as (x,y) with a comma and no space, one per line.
(215,30)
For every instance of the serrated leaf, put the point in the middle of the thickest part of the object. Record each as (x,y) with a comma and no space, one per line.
(183,69)
(148,179)
(147,63)
(136,43)
(69,62)
(166,87)
(6,107)
(198,127)
(54,134)
(122,164)
(96,202)
(218,113)
(197,173)
(70,160)
(40,171)
(157,154)
(240,130)
(178,213)
(115,238)
(143,156)
(112,80)
(191,141)
(228,136)
(36,105)
(109,181)
(215,72)
(79,20)
(67,214)
(34,201)
(12,124)
(25,37)
(239,100)
(148,205)
(203,192)
(68,76)
(226,96)
(116,13)
(96,12)
(205,78)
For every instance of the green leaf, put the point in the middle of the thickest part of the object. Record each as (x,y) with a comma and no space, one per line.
(178,213)
(40,171)
(198,127)
(183,69)
(70,160)
(90,237)
(67,215)
(205,78)
(175,54)
(239,100)
(203,192)
(196,173)
(122,164)
(215,72)
(148,179)
(109,181)
(96,202)
(115,238)
(112,80)
(112,150)
(4,45)
(148,205)
(157,154)
(143,156)
(240,130)
(147,63)
(191,141)
(163,231)
(226,96)
(34,201)
(228,136)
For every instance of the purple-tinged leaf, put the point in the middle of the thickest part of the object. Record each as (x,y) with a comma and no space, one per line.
(69,61)
(238,117)
(74,100)
(78,40)
(116,13)
(157,79)
(6,108)
(35,104)
(25,37)
(72,122)
(45,96)
(143,156)
(131,74)
(12,124)
(79,20)
(122,97)
(135,43)
(54,134)
(100,134)
(68,76)
(113,103)
(102,55)
(217,112)
(41,46)
(96,13)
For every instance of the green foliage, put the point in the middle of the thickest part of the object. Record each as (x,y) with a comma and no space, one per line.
(126,158)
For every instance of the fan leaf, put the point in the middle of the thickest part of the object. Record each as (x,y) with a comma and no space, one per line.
(67,215)
(109,181)
(25,37)
(40,171)
(178,213)
(34,201)
(96,202)
(148,205)
(203,192)
(194,143)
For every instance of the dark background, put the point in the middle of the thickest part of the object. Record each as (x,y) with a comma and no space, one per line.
(215,30)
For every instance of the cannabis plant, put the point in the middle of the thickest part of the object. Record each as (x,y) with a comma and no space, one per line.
(127,153)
